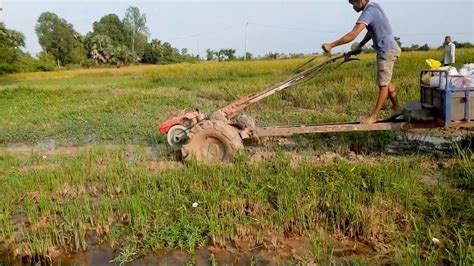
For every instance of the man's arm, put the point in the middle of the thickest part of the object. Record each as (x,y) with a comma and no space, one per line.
(349,37)
(453,53)
(365,40)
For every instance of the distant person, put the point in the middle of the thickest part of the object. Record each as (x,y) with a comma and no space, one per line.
(378,27)
(449,57)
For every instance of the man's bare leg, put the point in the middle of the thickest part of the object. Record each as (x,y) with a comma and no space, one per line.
(383,95)
(392,94)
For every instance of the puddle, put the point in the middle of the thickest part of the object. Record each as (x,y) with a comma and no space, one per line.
(437,141)
(416,143)
(104,255)
(98,255)
(285,252)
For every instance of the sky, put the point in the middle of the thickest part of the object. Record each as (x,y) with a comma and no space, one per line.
(256,26)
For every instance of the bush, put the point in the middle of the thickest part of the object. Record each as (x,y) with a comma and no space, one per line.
(45,67)
(88,63)
(7,68)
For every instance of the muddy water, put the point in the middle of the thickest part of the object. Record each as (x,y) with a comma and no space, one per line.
(290,249)
(418,143)
(283,251)
(405,142)
(104,255)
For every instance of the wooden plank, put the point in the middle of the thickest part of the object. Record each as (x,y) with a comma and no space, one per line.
(461,124)
(332,128)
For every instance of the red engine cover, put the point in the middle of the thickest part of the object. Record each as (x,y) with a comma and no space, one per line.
(191,118)
(164,127)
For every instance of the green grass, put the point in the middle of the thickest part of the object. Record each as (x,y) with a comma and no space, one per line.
(122,105)
(136,200)
(138,211)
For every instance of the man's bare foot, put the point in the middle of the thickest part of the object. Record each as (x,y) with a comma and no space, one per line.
(370,120)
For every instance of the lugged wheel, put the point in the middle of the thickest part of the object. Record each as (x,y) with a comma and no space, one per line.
(212,141)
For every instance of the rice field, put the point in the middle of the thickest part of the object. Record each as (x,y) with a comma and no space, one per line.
(82,164)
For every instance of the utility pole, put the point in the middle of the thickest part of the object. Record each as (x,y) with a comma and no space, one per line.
(246,30)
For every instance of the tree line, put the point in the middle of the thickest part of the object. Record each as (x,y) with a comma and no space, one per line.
(112,41)
(413,47)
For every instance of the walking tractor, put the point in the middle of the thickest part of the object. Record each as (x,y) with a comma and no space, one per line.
(217,136)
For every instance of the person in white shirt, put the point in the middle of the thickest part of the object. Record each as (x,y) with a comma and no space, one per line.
(449,57)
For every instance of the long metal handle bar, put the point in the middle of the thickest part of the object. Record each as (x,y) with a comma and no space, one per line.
(233,109)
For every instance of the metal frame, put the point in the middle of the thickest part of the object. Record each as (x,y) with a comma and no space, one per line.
(337,127)
(446,95)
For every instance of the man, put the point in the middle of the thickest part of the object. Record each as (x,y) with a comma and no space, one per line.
(449,57)
(373,19)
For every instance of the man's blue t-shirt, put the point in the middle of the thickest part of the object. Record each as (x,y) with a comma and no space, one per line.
(379,27)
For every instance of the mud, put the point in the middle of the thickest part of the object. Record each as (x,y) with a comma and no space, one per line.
(415,143)
(434,142)
(288,250)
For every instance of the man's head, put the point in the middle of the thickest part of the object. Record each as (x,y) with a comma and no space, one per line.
(447,39)
(358,5)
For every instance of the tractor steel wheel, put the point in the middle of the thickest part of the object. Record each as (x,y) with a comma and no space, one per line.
(171,136)
(212,141)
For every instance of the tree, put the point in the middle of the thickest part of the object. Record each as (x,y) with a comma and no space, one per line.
(11,42)
(210,54)
(137,31)
(58,37)
(424,47)
(100,48)
(157,52)
(11,38)
(272,55)
(229,54)
(46,61)
(110,25)
(123,55)
(248,56)
(153,52)
(463,44)
(219,54)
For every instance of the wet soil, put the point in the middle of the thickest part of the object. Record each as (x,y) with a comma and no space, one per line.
(439,150)
(437,143)
(291,249)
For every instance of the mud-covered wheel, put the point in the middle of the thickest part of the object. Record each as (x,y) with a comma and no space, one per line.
(212,141)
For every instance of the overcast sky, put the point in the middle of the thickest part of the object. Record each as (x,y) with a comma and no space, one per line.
(279,26)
